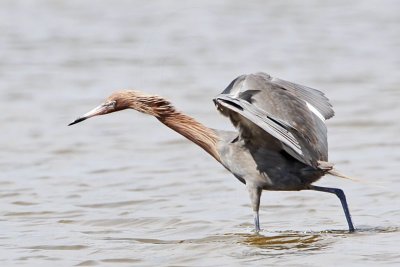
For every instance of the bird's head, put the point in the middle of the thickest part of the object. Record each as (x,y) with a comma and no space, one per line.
(120,100)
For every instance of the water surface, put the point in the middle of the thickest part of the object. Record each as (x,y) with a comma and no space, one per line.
(124,190)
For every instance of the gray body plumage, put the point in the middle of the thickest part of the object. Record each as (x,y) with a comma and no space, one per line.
(281,143)
(263,167)
(280,140)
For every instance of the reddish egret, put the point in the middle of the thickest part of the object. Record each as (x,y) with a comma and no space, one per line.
(281,139)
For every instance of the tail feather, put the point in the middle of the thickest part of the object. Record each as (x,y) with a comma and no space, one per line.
(328,168)
(334,172)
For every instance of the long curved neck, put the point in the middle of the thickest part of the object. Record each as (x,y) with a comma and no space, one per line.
(193,130)
(185,125)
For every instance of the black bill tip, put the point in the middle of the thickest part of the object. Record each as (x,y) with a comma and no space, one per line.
(77,120)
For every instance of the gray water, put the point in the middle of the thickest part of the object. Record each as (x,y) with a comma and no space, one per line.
(123,190)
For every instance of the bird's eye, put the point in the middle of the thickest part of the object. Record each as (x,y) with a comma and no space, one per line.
(110,105)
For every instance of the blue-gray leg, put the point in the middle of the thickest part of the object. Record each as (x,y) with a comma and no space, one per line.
(340,194)
(256,222)
(255,195)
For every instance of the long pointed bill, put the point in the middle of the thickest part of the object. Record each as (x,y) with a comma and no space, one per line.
(100,110)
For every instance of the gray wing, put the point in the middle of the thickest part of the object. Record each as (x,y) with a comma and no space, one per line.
(265,108)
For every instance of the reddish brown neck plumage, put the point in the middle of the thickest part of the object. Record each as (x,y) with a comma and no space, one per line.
(185,125)
(192,130)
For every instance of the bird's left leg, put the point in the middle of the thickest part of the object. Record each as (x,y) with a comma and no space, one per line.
(255,196)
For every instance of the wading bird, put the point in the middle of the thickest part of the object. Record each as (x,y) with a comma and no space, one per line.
(281,138)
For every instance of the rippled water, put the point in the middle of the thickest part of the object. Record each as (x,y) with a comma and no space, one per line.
(124,190)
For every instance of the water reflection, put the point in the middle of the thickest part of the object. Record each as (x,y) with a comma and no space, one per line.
(285,241)
(273,243)
(288,240)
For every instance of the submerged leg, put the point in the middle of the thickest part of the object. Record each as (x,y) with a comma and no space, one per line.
(340,194)
(255,195)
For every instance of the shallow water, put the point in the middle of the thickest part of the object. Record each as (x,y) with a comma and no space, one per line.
(124,190)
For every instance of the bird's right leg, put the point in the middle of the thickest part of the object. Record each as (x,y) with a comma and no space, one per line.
(255,196)
(340,194)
